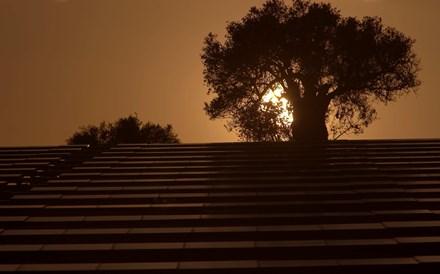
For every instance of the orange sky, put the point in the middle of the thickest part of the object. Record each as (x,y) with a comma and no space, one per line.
(67,63)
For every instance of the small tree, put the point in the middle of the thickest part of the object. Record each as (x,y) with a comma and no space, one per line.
(332,71)
(125,130)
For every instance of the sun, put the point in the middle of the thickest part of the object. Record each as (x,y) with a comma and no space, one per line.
(275,96)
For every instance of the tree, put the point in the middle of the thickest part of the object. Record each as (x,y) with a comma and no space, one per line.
(332,70)
(124,130)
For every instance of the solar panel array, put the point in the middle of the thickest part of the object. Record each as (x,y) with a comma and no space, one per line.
(339,207)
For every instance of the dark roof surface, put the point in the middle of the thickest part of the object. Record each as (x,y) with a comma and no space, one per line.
(342,207)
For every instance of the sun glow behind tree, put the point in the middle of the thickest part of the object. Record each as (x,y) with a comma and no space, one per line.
(276,97)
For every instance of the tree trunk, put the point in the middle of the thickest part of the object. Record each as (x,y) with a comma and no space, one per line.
(309,119)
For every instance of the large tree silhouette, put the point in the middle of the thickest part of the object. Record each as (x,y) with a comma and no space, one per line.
(331,69)
(123,131)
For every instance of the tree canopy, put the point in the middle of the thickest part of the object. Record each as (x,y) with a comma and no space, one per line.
(332,70)
(123,131)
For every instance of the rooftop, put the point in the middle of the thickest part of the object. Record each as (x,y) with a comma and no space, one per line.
(341,207)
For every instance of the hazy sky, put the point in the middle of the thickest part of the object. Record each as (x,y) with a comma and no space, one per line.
(67,63)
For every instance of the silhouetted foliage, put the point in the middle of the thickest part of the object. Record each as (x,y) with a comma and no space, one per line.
(332,70)
(123,131)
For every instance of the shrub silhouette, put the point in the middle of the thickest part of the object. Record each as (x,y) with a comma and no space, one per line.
(123,131)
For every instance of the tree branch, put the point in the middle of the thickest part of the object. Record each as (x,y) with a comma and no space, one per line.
(347,129)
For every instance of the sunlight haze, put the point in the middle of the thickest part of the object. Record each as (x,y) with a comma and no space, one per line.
(68,63)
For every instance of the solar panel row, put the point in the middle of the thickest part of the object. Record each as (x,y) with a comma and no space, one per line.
(340,207)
